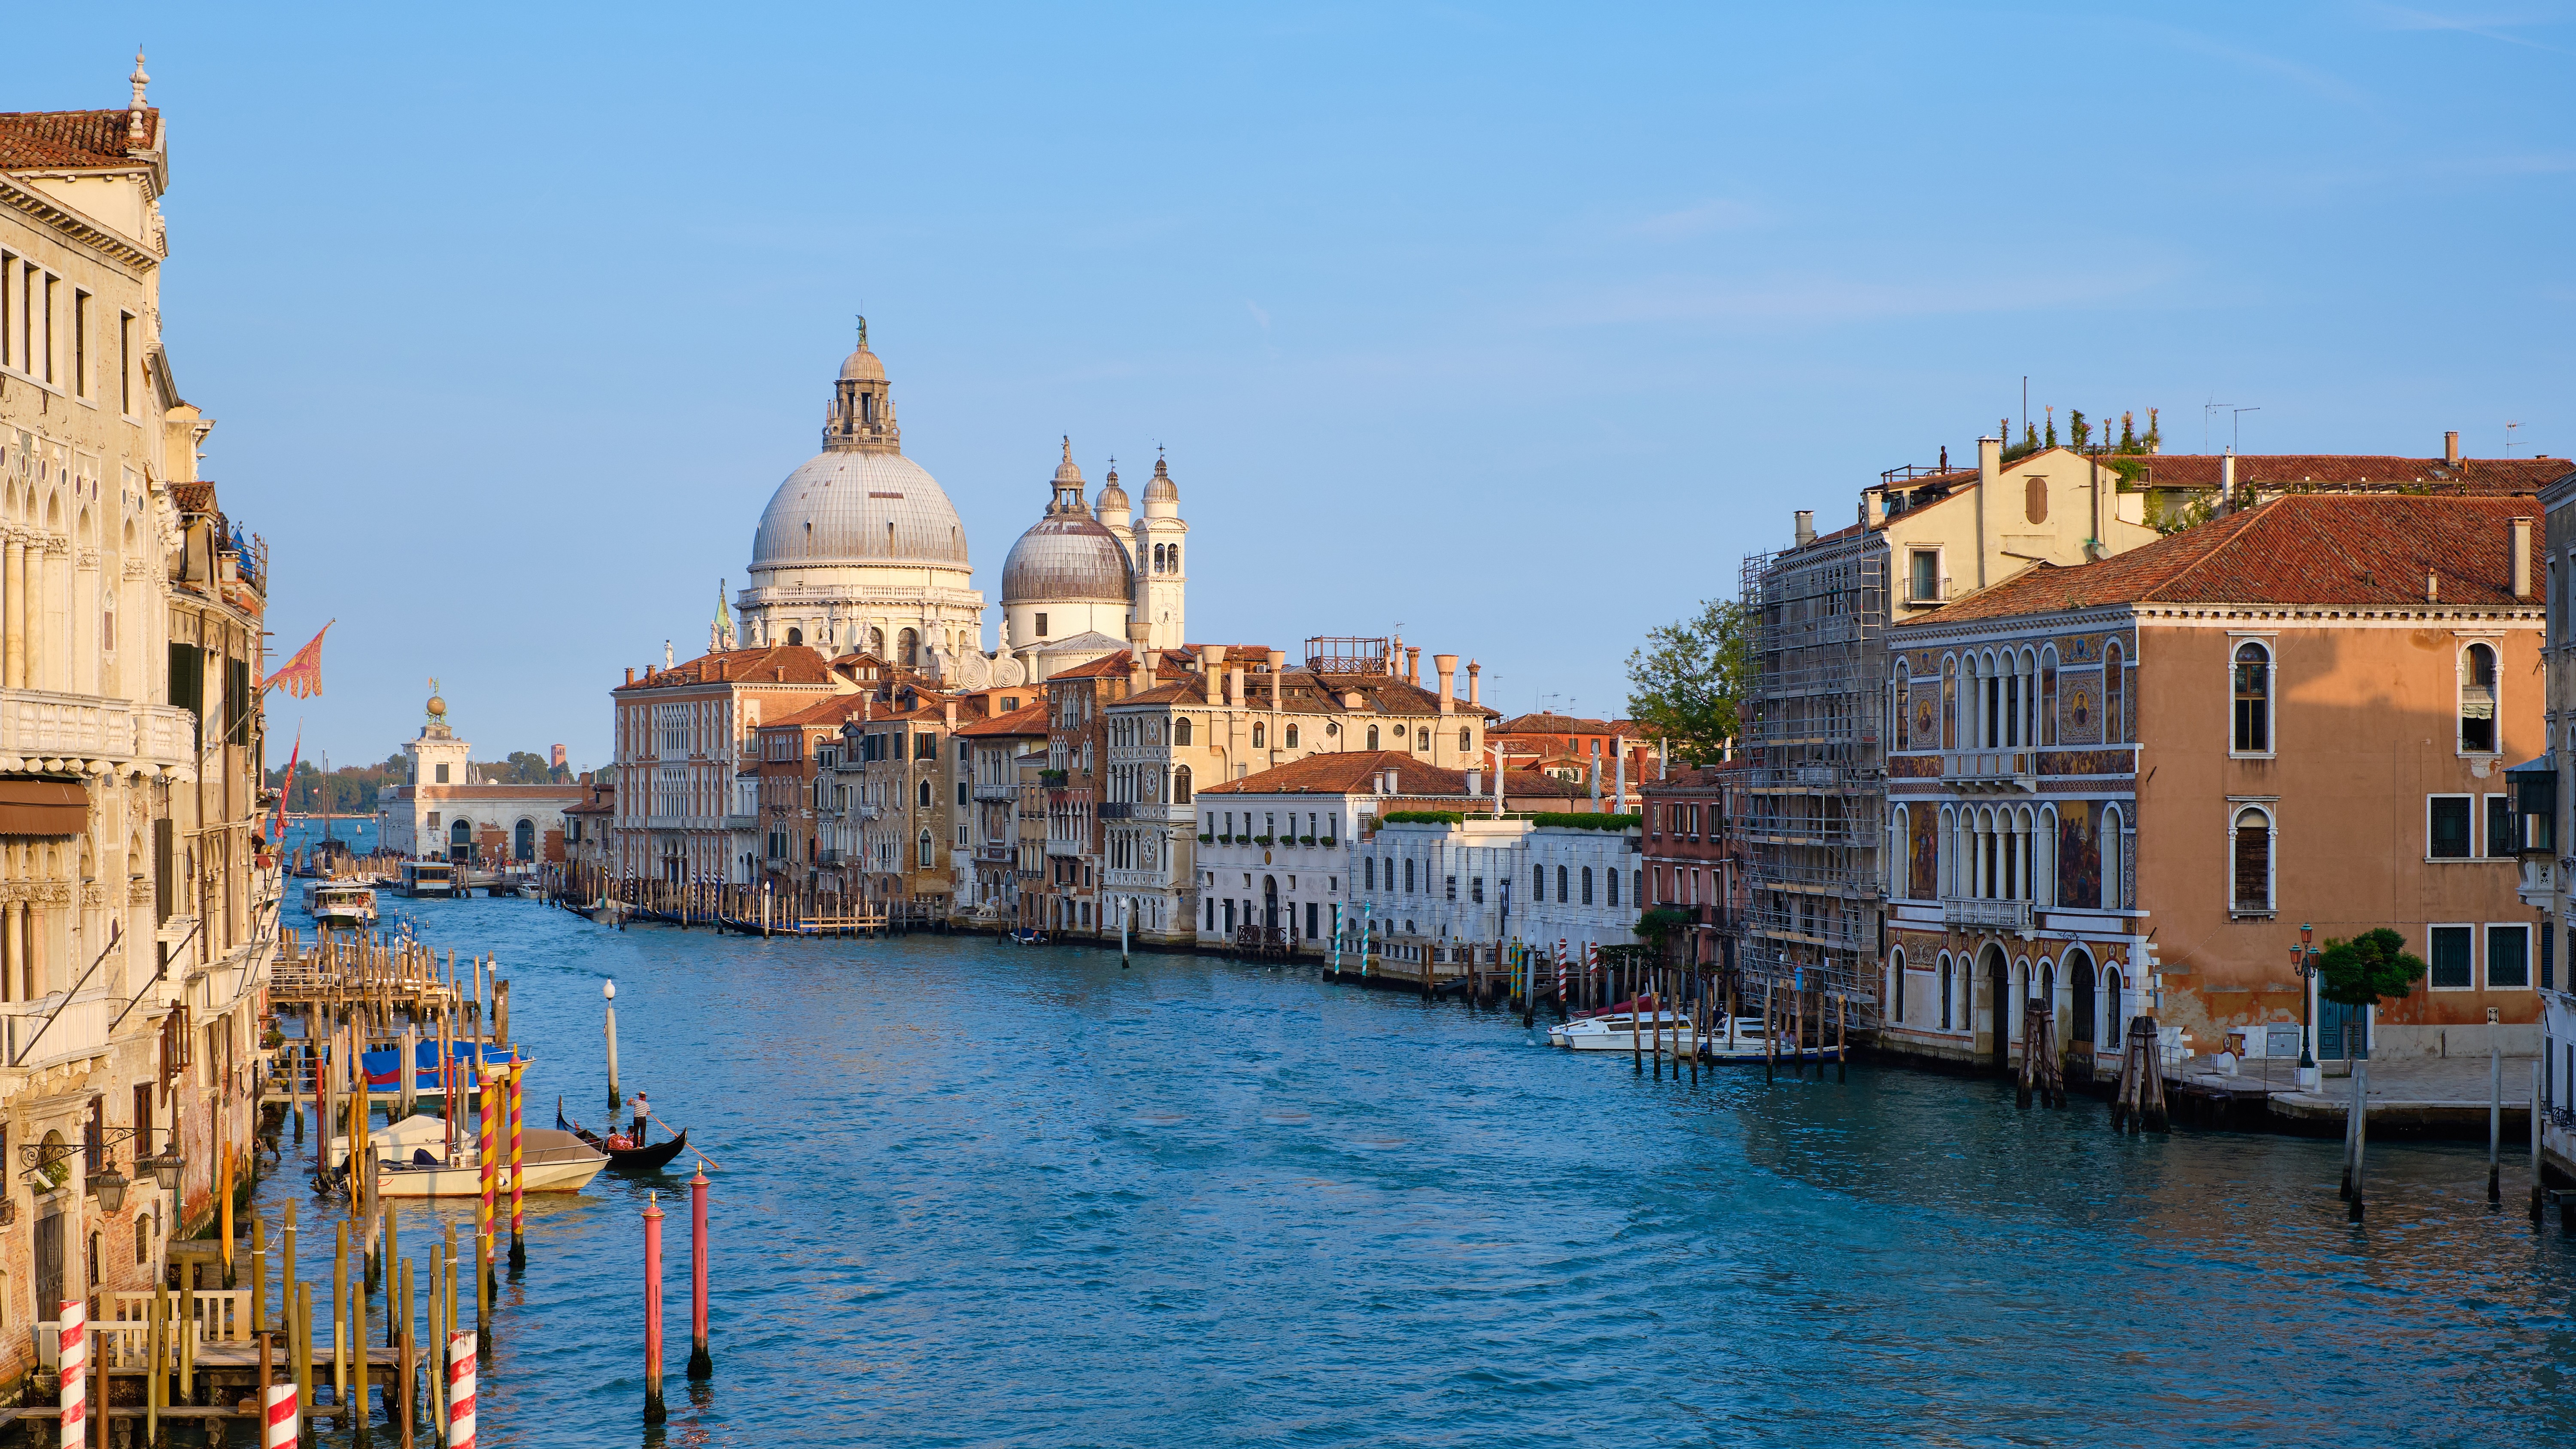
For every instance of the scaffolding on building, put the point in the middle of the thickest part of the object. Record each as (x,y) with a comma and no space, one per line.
(1812,813)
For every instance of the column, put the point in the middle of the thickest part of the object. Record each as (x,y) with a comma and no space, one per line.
(13,616)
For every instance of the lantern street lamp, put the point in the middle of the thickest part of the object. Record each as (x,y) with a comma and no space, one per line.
(109,1184)
(2303,958)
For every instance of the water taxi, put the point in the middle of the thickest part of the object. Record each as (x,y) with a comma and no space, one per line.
(344,905)
(428,878)
(1618,1030)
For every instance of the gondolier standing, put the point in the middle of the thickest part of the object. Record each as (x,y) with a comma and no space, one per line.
(642,1111)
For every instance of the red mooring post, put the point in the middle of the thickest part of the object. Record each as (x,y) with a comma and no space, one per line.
(700,1365)
(654,1413)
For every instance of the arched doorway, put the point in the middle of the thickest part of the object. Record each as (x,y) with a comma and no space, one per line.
(523,840)
(2082,1018)
(1270,901)
(460,842)
(795,636)
(1999,994)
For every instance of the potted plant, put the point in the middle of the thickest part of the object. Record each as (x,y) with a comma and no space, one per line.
(1261,840)
(1305,840)
(1204,839)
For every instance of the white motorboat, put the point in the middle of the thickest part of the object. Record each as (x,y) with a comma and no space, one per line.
(1739,1040)
(1619,1029)
(345,905)
(412,1160)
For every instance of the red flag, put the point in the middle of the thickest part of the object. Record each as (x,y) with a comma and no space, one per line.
(277,837)
(302,675)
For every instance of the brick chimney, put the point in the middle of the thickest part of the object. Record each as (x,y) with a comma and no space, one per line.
(2522,558)
(1475,686)
(1278,671)
(1447,665)
(2451,447)
(630,674)
(1413,665)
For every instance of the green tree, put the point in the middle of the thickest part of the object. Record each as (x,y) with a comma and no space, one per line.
(2373,967)
(1686,685)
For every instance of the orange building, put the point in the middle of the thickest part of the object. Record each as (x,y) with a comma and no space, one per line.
(2123,787)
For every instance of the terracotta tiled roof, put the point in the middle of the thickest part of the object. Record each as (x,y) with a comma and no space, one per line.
(1107,666)
(2308,548)
(193,497)
(1031,720)
(768,664)
(1560,724)
(83,140)
(1355,774)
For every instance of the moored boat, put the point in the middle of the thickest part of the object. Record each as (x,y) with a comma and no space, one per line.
(414,1160)
(345,905)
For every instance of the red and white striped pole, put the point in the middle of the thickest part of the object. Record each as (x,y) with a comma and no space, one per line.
(460,1391)
(281,1417)
(653,1410)
(75,1365)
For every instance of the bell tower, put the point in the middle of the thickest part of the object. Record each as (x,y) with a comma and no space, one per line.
(1161,585)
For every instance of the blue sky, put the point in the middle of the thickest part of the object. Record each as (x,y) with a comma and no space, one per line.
(1513,325)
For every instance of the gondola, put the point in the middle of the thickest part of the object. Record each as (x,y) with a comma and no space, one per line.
(626,1159)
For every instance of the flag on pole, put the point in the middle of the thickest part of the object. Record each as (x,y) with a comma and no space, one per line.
(302,675)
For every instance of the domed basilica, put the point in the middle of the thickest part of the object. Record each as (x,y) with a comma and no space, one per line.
(861,551)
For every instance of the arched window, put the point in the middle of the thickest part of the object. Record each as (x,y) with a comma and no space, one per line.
(1611,877)
(1561,896)
(2250,684)
(1898,704)
(2478,700)
(523,840)
(2043,859)
(2114,1007)
(1896,985)
(2251,859)
(1422,739)
(2114,884)
(926,848)
(2115,720)
(1408,875)
(1538,883)
(1945,991)
(908,647)
(1176,557)
(1181,784)
(1949,704)
(1896,852)
(1291,740)
(925,794)
(1587,885)
(1181,730)
(2080,1013)
(1257,735)
(795,636)
(1372,744)
(1466,741)
(2047,732)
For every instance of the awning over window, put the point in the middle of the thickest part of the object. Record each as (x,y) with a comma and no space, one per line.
(43,807)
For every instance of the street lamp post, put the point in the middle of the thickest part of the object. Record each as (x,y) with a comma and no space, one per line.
(2303,957)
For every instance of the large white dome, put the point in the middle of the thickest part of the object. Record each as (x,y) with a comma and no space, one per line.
(852,507)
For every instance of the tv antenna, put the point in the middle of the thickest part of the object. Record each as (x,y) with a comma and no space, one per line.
(2508,438)
(2236,425)
(2209,410)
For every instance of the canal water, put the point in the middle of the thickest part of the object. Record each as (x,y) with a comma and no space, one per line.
(972,1193)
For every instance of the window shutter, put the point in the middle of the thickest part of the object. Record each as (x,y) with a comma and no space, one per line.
(2253,866)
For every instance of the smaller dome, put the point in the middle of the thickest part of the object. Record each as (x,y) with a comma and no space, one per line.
(862,366)
(1112,497)
(1162,489)
(1066,474)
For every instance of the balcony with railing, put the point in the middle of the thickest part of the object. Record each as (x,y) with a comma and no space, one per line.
(996,794)
(63,731)
(1977,912)
(1997,770)
(51,1030)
